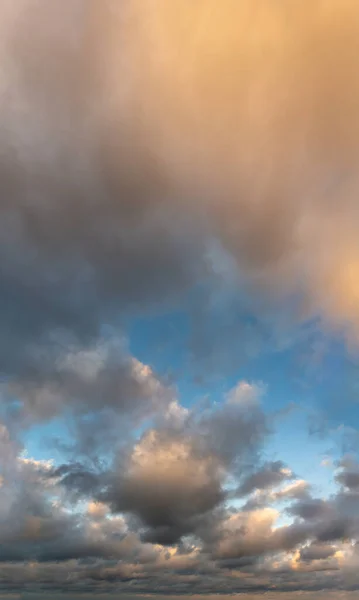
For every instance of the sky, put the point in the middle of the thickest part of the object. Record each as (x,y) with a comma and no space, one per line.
(179,299)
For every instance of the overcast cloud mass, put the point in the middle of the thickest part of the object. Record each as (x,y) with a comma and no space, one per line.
(179,299)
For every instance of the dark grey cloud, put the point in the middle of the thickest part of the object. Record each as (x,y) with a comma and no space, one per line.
(190,466)
(271,475)
(87,233)
(311,508)
(349,479)
(317,551)
(348,474)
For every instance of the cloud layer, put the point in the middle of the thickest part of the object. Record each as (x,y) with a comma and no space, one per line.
(129,148)
(155,156)
(160,517)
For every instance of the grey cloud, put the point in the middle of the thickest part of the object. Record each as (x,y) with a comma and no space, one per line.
(317,552)
(166,470)
(348,476)
(311,508)
(335,529)
(98,388)
(270,475)
(246,543)
(34,528)
(86,233)
(77,479)
(297,490)
(189,466)
(114,177)
(328,520)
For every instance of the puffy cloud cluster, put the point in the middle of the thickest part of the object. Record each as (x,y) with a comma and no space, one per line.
(161,516)
(173,479)
(100,388)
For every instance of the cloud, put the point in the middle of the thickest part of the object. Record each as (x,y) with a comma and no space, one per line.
(270,475)
(317,552)
(156,156)
(100,388)
(310,508)
(121,169)
(128,179)
(71,230)
(173,480)
(274,167)
(348,475)
(167,487)
(54,543)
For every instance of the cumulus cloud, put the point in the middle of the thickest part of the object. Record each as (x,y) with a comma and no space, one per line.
(167,487)
(348,474)
(173,478)
(96,389)
(53,544)
(270,475)
(317,552)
